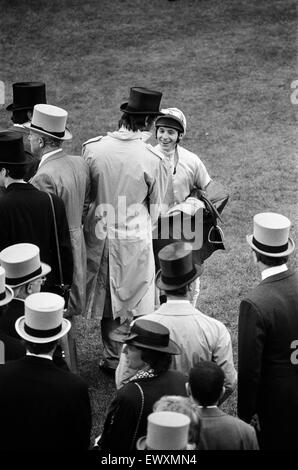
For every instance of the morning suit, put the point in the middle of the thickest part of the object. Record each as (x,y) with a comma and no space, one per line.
(126,420)
(26,217)
(42,407)
(67,176)
(219,431)
(268,365)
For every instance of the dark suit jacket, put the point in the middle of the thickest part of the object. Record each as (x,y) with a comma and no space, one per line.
(13,348)
(121,429)
(219,431)
(42,407)
(268,366)
(26,217)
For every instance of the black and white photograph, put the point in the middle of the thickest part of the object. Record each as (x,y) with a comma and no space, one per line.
(148,229)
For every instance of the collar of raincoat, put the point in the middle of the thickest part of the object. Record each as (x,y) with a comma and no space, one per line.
(125,134)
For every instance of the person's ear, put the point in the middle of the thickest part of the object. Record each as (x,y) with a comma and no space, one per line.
(29,288)
(188,390)
(223,391)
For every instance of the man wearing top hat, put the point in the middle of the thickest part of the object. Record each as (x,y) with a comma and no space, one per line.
(26,213)
(67,176)
(25,96)
(129,179)
(200,337)
(268,334)
(42,407)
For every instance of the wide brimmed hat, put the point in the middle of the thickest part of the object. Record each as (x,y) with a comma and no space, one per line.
(177,266)
(50,121)
(6,293)
(148,334)
(26,95)
(22,264)
(43,321)
(271,235)
(166,430)
(12,150)
(142,101)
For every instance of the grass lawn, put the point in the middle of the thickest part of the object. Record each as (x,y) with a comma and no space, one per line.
(228,64)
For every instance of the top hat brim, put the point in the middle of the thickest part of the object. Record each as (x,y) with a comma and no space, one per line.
(164,286)
(19,107)
(126,109)
(141,443)
(20,328)
(29,158)
(67,135)
(287,252)
(8,296)
(172,347)
(45,269)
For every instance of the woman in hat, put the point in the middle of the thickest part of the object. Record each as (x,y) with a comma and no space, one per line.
(149,350)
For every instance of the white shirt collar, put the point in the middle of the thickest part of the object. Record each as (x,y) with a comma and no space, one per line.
(45,356)
(274,270)
(211,406)
(47,155)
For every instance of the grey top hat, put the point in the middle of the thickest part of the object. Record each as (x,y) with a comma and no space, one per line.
(271,235)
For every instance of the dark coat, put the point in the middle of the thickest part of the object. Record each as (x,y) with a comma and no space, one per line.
(13,348)
(121,429)
(26,217)
(267,362)
(42,407)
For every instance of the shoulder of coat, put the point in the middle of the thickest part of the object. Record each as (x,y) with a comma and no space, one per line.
(91,141)
(155,151)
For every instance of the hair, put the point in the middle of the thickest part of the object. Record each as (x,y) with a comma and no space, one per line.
(185,406)
(51,142)
(20,116)
(270,260)
(136,122)
(206,381)
(180,291)
(40,348)
(158,361)
(16,172)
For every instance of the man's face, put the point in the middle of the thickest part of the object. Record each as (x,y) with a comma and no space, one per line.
(35,286)
(35,143)
(167,138)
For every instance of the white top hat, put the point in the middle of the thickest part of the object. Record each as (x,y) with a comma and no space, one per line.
(43,321)
(22,264)
(271,235)
(6,293)
(49,120)
(166,430)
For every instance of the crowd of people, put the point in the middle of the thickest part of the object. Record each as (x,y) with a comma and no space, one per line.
(76,238)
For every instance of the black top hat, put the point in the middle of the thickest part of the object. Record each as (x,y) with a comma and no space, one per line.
(142,101)
(151,335)
(177,267)
(26,95)
(12,149)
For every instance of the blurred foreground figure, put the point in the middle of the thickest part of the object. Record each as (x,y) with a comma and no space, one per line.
(42,407)
(268,338)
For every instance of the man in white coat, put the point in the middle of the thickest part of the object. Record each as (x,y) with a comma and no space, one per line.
(128,183)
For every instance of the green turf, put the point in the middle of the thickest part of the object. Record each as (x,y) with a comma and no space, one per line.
(228,64)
